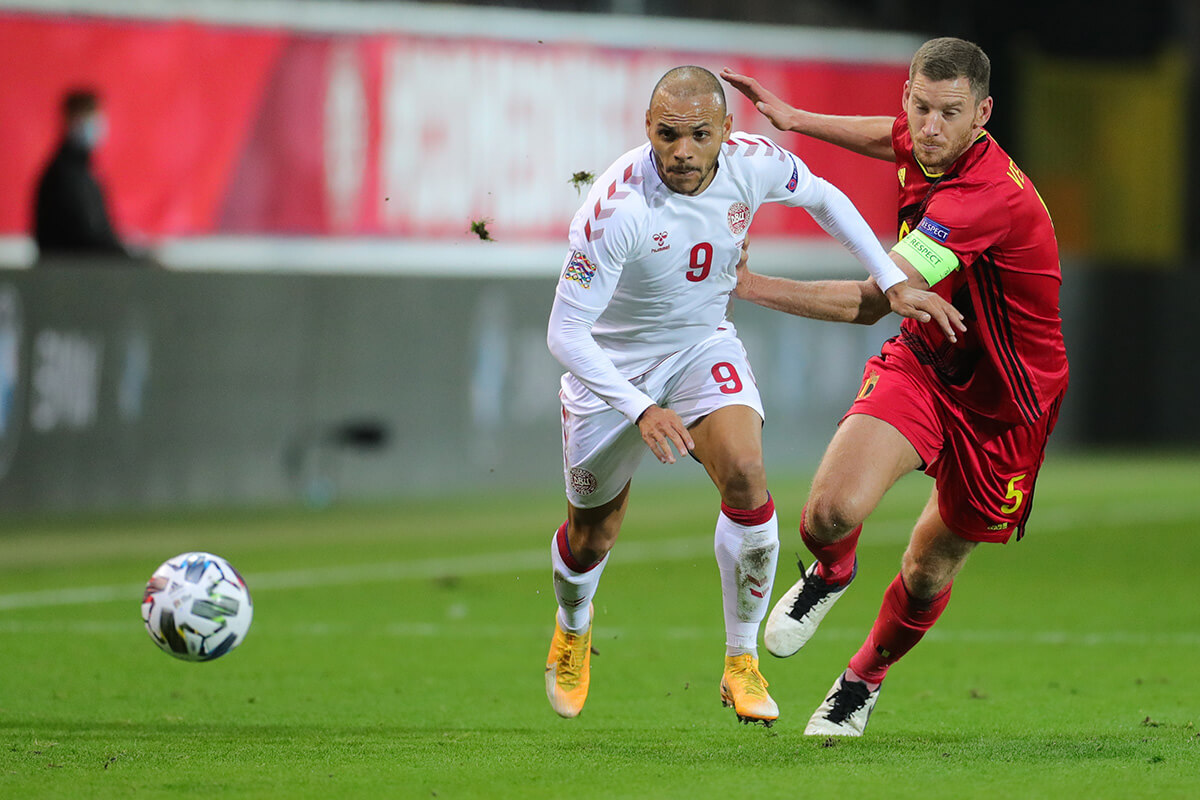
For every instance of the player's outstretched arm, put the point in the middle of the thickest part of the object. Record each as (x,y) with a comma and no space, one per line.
(868,136)
(859,302)
(832,301)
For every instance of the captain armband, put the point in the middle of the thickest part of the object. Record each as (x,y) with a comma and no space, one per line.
(933,260)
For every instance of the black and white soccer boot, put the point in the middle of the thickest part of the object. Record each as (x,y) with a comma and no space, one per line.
(845,711)
(795,618)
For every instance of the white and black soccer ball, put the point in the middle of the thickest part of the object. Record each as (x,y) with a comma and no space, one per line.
(197,607)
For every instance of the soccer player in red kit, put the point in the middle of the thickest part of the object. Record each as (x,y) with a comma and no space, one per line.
(973,412)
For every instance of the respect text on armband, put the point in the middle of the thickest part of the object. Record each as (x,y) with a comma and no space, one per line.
(922,249)
(934,261)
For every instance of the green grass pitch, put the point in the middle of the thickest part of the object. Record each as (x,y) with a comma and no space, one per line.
(397,651)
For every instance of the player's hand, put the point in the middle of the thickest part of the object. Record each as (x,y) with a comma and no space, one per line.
(769,105)
(924,306)
(661,428)
(744,275)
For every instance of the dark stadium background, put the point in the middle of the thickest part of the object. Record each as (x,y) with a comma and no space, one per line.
(281,385)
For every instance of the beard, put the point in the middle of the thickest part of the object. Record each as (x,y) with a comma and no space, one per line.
(939,155)
(689,181)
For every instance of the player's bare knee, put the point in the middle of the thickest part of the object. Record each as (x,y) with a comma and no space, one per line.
(744,483)
(924,577)
(592,549)
(591,542)
(832,517)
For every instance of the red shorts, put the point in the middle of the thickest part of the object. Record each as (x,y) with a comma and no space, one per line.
(984,469)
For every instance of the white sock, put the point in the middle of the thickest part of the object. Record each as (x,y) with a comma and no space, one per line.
(574,590)
(747,555)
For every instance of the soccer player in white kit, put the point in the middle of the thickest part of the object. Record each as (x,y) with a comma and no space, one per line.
(639,322)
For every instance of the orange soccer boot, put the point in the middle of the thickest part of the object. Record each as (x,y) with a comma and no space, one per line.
(568,670)
(745,689)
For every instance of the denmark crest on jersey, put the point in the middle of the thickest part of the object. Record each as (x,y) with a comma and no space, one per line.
(579,269)
(739,218)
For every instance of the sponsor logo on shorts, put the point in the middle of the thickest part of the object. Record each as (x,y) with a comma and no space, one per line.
(661,240)
(934,230)
(739,218)
(582,481)
(1002,526)
(580,270)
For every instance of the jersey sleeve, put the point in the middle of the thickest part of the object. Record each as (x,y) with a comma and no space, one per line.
(599,249)
(589,278)
(784,177)
(959,224)
(974,219)
(901,143)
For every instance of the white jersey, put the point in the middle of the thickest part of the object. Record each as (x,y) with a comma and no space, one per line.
(650,271)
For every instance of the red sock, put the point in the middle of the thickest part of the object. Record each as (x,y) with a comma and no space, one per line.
(749,517)
(901,623)
(836,559)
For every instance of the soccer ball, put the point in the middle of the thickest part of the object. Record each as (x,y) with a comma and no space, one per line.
(197,607)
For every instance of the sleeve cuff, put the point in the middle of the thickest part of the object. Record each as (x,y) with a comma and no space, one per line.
(635,406)
(887,274)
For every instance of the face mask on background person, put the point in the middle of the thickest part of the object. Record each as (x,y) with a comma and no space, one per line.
(89,131)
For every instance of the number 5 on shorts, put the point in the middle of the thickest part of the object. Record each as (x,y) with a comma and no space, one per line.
(1015,495)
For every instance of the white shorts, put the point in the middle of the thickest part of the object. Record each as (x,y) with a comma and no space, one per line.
(602,449)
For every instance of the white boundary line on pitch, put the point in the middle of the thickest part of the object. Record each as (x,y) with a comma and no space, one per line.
(632,552)
(629,552)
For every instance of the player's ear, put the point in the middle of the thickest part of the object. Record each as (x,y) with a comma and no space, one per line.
(904,94)
(728,127)
(647,123)
(983,112)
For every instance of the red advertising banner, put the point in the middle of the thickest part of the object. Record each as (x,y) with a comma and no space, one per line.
(181,101)
(221,129)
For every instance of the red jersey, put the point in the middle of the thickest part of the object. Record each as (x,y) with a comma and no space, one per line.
(1011,363)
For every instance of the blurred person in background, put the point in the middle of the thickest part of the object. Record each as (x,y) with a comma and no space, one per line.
(640,323)
(70,213)
(973,413)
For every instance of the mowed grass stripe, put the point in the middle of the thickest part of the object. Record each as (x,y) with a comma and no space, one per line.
(1049,520)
